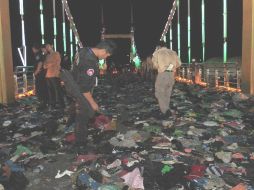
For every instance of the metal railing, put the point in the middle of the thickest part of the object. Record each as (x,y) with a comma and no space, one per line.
(226,76)
(217,75)
(24,80)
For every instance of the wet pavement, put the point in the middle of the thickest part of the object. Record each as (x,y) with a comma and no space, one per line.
(207,143)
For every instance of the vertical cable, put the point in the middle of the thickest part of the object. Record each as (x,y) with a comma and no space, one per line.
(54,24)
(21,9)
(64,30)
(189,33)
(203,28)
(42,22)
(224,31)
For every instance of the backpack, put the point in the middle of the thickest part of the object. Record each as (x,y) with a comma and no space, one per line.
(72,89)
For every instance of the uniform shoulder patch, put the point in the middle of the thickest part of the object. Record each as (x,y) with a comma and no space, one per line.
(90,72)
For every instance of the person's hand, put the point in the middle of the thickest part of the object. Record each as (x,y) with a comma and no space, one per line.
(95,106)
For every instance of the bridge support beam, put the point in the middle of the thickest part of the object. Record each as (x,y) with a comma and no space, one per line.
(247,70)
(6,63)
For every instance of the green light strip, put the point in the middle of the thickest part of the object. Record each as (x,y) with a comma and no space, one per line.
(64,30)
(71,43)
(77,44)
(54,24)
(21,7)
(64,37)
(55,33)
(171,37)
(178,29)
(55,28)
(189,41)
(203,28)
(165,39)
(42,22)
(225,31)
(24,55)
(189,33)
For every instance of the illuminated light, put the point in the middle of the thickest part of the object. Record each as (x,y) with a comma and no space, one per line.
(225,30)
(55,25)
(28,93)
(64,30)
(21,56)
(101,63)
(137,61)
(55,34)
(203,28)
(71,43)
(189,33)
(165,39)
(64,37)
(42,22)
(178,30)
(21,7)
(133,49)
(171,37)
(230,89)
(183,80)
(204,84)
(77,44)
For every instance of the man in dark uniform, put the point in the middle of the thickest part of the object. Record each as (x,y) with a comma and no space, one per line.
(39,74)
(85,72)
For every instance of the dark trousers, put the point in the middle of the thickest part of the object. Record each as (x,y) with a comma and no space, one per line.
(41,88)
(81,119)
(55,93)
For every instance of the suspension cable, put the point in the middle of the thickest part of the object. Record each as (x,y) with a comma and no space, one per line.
(169,21)
(72,24)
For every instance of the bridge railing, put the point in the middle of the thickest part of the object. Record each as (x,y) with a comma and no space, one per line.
(217,75)
(226,76)
(24,81)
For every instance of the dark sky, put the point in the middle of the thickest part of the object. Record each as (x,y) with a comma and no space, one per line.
(150,17)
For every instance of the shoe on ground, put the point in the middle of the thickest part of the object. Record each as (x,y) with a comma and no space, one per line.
(165,116)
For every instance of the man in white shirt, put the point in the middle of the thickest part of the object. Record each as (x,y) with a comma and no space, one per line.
(166,62)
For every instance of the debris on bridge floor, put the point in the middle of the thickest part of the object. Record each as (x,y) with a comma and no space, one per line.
(207,143)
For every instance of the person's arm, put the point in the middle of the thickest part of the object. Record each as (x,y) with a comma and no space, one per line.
(91,101)
(155,63)
(47,65)
(38,69)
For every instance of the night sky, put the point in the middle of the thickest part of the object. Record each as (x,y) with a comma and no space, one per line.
(150,17)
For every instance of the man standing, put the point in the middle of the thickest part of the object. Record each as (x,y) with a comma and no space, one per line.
(52,65)
(166,62)
(85,72)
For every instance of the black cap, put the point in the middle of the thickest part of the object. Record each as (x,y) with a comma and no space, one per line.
(108,45)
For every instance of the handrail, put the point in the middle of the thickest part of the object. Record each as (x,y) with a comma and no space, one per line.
(24,81)
(224,76)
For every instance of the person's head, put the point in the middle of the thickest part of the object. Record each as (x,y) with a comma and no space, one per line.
(49,48)
(105,48)
(43,49)
(35,48)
